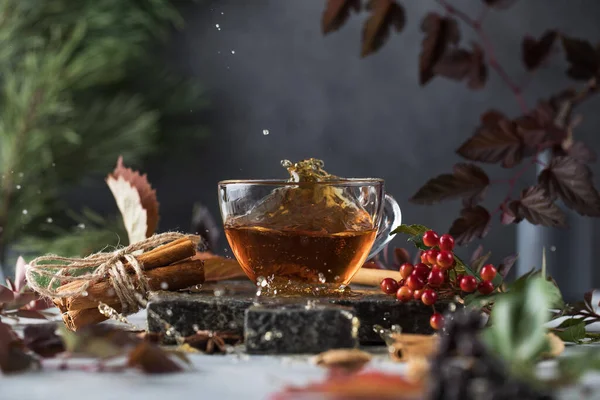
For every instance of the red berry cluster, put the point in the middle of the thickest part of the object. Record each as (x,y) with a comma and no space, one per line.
(423,280)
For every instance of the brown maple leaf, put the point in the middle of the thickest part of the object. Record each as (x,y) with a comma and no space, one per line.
(474,222)
(535,52)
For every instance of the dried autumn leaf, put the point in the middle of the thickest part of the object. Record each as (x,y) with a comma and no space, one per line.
(500,4)
(537,207)
(336,14)
(362,386)
(126,200)
(13,358)
(535,52)
(217,268)
(151,359)
(581,152)
(583,58)
(440,32)
(385,14)
(465,181)
(572,182)
(43,340)
(348,360)
(495,141)
(474,222)
(506,264)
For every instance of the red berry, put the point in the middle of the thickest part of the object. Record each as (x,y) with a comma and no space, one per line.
(436,277)
(415,282)
(445,259)
(436,321)
(417,294)
(429,297)
(468,284)
(406,269)
(389,286)
(430,239)
(404,294)
(485,287)
(421,270)
(423,257)
(432,256)
(446,242)
(488,272)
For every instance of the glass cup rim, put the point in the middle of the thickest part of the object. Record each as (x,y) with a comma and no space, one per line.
(283,182)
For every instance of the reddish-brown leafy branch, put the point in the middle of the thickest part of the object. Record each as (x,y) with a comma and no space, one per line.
(476,25)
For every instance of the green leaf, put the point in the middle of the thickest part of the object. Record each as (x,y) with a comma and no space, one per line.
(411,230)
(518,332)
(571,330)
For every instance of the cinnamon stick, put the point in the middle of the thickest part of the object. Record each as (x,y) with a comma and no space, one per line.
(172,277)
(373,277)
(80,318)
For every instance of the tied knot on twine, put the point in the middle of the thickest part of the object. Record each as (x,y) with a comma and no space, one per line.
(46,273)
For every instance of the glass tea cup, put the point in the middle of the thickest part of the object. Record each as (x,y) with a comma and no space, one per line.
(306,236)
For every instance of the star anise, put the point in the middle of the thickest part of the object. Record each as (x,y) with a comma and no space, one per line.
(212,342)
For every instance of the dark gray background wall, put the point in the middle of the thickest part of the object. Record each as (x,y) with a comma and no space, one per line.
(267,66)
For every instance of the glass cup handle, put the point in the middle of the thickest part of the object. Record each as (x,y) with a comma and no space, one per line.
(391,219)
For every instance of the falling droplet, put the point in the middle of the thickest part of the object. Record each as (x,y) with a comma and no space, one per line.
(232,51)
(18,187)
(169,312)
(81,226)
(25,212)
(84,293)
(265,132)
(218,292)
(49,220)
(322,278)
(195,327)
(54,164)
(164,285)
(552,248)
(20,174)
(217,26)
(268,336)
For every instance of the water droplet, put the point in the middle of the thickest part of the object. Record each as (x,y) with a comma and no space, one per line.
(232,51)
(20,174)
(322,278)
(265,132)
(268,336)
(222,13)
(54,164)
(286,163)
(329,271)
(18,187)
(164,285)
(195,327)
(198,286)
(277,334)
(84,293)
(81,226)
(25,212)
(552,248)
(218,292)
(396,329)
(49,220)
(169,312)
(337,277)
(232,325)
(452,307)
(217,26)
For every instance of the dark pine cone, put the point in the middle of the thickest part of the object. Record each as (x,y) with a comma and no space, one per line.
(464,369)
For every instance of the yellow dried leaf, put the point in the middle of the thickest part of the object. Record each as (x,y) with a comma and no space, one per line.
(557,346)
(128,200)
(147,195)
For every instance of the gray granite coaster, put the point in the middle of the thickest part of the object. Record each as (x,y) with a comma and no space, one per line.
(221,307)
(297,329)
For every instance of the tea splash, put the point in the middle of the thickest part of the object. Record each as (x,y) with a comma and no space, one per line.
(309,237)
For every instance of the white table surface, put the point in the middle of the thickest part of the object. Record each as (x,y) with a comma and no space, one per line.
(234,376)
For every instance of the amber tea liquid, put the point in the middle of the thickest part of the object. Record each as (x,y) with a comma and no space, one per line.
(289,259)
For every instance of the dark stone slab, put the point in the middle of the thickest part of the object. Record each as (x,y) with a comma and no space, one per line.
(222,306)
(298,329)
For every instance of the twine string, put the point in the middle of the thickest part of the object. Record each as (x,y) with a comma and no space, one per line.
(112,265)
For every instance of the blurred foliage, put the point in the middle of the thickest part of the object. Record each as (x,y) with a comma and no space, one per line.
(81,82)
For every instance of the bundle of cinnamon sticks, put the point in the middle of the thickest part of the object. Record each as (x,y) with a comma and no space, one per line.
(167,267)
